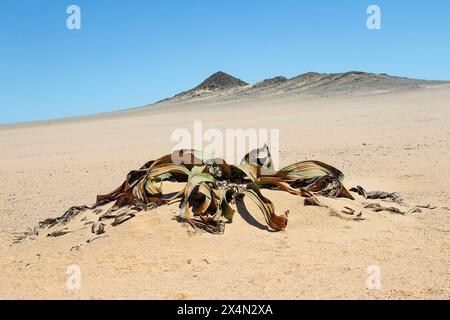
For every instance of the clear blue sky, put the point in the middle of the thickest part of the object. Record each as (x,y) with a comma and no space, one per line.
(132,53)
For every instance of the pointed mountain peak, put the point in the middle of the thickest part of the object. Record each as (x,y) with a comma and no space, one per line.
(220,81)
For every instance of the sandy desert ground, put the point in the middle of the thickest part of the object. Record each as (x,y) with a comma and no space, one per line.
(396,141)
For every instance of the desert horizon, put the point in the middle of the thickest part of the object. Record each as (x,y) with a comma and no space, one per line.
(227,92)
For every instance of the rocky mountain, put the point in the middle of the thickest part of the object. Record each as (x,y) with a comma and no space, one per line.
(219,81)
(222,86)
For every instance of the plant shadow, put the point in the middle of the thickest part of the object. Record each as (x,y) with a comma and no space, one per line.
(246,215)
